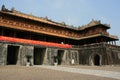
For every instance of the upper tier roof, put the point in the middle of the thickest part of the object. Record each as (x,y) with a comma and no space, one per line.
(48,21)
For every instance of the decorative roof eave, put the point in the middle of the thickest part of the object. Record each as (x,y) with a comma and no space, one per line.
(99,35)
(93,23)
(112,37)
(37,31)
(29,17)
(86,27)
(74,38)
(47,21)
(38,19)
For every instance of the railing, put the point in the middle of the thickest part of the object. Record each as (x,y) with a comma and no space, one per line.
(102,44)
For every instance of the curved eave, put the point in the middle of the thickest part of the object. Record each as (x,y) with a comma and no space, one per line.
(102,25)
(34,18)
(38,19)
(112,37)
(109,37)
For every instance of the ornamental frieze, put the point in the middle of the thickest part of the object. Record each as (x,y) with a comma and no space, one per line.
(21,25)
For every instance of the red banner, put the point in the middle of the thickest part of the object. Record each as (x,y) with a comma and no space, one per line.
(26,41)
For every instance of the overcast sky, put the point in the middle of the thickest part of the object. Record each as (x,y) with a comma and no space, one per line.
(72,12)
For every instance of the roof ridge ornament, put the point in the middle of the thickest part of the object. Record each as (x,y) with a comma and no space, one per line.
(3,8)
(13,9)
(7,10)
(94,22)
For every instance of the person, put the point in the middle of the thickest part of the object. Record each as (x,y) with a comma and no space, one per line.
(72,62)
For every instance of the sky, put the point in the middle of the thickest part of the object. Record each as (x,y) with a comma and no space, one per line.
(72,12)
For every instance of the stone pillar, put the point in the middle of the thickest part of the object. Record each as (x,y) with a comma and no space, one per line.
(54,53)
(48,55)
(77,57)
(3,54)
(64,58)
(67,57)
(26,50)
(74,56)
(51,52)
(19,56)
(45,60)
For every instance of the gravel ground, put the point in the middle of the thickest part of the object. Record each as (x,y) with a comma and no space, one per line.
(39,73)
(100,73)
(106,68)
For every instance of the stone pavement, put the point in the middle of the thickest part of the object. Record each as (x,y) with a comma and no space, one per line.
(100,73)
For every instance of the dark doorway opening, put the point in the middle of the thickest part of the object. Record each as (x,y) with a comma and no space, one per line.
(60,56)
(39,54)
(97,60)
(12,54)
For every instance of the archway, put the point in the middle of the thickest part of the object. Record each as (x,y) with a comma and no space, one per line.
(39,54)
(97,60)
(12,54)
(60,56)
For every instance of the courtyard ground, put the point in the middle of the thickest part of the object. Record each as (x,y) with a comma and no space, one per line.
(106,67)
(50,73)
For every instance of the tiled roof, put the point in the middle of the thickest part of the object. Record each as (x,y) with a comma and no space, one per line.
(48,21)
